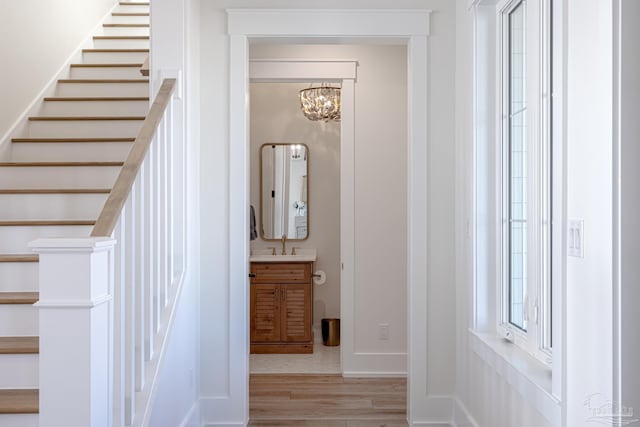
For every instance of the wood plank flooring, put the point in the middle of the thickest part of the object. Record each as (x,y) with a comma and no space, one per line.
(326,401)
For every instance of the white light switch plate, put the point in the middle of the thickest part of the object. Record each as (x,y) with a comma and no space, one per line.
(575,238)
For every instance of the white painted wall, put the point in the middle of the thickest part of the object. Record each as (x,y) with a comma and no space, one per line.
(37,38)
(276,117)
(630,174)
(177,395)
(589,289)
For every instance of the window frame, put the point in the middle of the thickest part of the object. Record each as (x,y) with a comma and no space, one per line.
(542,254)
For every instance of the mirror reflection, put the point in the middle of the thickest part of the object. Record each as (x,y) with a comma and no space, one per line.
(284,191)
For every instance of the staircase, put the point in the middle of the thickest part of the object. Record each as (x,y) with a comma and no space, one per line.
(55,179)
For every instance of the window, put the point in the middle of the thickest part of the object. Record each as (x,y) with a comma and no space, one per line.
(526,178)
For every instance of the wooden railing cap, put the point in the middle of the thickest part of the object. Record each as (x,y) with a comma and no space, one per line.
(110,213)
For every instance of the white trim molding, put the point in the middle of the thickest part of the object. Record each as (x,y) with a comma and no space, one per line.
(279,70)
(326,23)
(362,26)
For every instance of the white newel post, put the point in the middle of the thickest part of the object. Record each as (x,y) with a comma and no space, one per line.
(75,312)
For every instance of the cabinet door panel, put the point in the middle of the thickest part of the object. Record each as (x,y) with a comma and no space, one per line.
(265,313)
(296,313)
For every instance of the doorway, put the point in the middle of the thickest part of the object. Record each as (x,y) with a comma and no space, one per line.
(274,91)
(411,28)
(294,175)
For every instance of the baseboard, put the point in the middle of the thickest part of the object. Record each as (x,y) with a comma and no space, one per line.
(433,411)
(461,416)
(224,411)
(192,419)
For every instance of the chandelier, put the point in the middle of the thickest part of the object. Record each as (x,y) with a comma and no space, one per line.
(321,103)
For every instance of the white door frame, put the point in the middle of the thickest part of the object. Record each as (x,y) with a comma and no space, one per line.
(410,27)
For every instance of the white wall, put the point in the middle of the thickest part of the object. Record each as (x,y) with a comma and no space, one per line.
(589,289)
(222,399)
(36,40)
(630,155)
(276,117)
(177,394)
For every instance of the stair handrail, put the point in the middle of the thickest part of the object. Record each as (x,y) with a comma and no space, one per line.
(108,218)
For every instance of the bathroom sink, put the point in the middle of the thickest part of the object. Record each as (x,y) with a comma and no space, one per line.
(302,255)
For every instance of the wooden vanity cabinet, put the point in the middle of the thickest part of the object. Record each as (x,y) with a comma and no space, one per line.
(281,307)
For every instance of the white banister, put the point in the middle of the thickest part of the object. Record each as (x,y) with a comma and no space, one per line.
(106,301)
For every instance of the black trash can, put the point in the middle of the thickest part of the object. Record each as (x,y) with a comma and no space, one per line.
(331,332)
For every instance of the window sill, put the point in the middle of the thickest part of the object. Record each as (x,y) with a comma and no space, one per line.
(527,375)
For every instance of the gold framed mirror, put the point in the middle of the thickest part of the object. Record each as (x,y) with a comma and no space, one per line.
(284,191)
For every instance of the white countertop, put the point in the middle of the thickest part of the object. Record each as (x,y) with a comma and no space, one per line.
(302,255)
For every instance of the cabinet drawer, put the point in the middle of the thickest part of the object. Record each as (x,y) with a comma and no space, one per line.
(271,272)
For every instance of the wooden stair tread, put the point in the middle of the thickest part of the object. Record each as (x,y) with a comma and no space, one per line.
(83,118)
(19,401)
(17,298)
(58,164)
(116,50)
(121,37)
(95,98)
(103,81)
(76,140)
(19,345)
(19,258)
(45,223)
(55,191)
(110,65)
(125,25)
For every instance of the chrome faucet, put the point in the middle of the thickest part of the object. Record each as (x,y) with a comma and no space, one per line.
(284,241)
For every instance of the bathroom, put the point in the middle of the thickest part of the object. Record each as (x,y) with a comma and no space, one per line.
(367,167)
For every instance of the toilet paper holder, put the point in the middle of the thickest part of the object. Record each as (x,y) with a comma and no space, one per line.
(319,277)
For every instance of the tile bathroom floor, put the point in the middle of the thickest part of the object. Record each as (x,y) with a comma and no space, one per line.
(324,360)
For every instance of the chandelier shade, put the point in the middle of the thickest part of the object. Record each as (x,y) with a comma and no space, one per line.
(321,103)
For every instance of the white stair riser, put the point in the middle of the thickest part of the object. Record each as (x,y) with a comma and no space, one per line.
(120,44)
(16,239)
(58,177)
(18,276)
(114,57)
(132,8)
(18,371)
(76,129)
(106,72)
(102,89)
(18,320)
(71,151)
(128,20)
(19,420)
(94,108)
(50,206)
(125,31)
